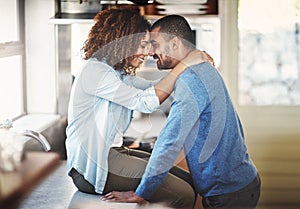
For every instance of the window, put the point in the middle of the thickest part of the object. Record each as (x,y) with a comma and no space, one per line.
(12,58)
(269,52)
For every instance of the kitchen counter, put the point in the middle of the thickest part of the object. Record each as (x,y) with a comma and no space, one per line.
(14,186)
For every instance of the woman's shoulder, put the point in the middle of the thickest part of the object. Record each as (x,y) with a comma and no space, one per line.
(95,70)
(94,63)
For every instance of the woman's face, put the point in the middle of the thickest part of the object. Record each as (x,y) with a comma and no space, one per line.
(142,51)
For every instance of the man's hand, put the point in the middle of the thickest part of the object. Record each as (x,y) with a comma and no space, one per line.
(197,57)
(129,196)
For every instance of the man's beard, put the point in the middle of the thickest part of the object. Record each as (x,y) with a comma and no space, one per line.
(164,64)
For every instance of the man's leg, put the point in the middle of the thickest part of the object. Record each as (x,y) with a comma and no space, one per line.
(246,198)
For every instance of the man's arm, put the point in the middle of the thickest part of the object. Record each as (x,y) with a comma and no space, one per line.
(183,116)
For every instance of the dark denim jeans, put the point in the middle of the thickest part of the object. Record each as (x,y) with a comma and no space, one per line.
(246,198)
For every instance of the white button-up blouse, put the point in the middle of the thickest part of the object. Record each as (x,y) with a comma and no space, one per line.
(100,111)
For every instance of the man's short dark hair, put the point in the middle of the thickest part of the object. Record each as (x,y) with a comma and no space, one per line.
(176,25)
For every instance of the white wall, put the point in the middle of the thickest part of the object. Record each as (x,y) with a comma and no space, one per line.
(40,56)
(79,33)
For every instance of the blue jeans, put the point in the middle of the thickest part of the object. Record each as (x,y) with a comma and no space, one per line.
(246,198)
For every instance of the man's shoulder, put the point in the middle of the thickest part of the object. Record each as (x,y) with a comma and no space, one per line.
(190,75)
(202,71)
(201,67)
(187,82)
(196,77)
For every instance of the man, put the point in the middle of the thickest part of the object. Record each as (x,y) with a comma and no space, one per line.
(203,121)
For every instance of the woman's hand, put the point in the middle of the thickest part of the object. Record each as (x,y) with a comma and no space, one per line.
(129,196)
(197,57)
(193,58)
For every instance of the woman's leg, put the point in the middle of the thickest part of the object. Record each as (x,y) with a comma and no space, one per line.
(129,179)
(126,168)
(82,184)
(175,192)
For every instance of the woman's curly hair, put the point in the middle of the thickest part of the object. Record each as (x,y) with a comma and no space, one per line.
(115,37)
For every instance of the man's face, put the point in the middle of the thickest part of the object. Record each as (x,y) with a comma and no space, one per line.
(161,50)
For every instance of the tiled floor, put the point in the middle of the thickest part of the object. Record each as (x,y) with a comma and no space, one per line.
(55,192)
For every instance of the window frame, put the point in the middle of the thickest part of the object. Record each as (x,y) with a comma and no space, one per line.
(13,48)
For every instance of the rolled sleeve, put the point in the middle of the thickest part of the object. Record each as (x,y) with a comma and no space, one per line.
(146,101)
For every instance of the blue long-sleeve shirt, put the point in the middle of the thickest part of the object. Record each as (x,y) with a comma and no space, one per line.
(203,121)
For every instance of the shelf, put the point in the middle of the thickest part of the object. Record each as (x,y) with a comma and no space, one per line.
(68,18)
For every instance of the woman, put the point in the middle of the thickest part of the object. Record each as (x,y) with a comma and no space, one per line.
(102,99)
